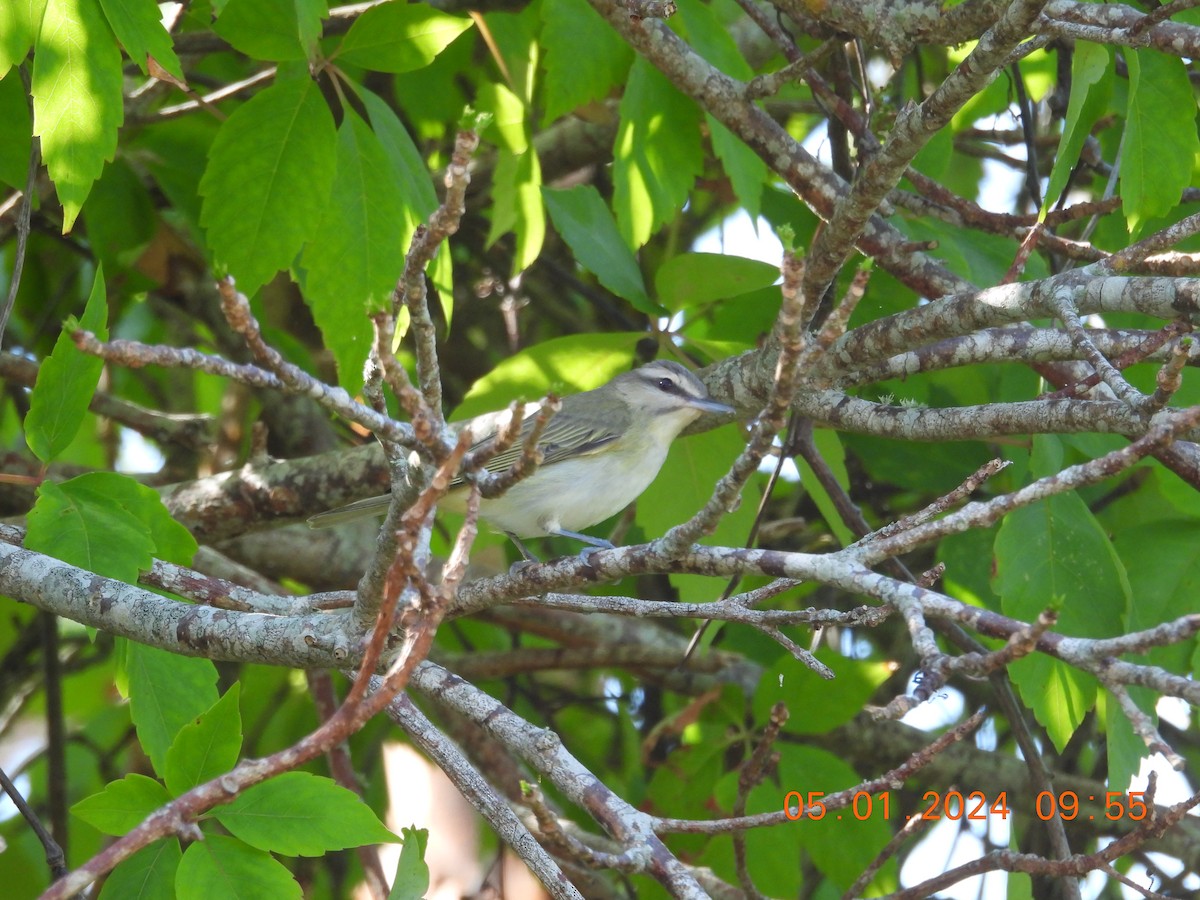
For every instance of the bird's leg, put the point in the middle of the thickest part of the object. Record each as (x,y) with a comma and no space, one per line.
(520,545)
(528,559)
(594,542)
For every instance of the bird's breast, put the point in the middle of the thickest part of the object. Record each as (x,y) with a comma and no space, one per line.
(574,494)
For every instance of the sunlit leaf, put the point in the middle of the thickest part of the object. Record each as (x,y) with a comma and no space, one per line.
(268,178)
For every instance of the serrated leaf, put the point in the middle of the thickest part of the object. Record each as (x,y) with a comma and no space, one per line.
(514,45)
(356,255)
(690,280)
(19,22)
(272,29)
(584,222)
(584,57)
(77,103)
(66,381)
(657,155)
(110,524)
(1090,92)
(138,26)
(268,179)
(207,747)
(412,874)
(517,206)
(713,41)
(147,875)
(399,37)
(508,127)
(745,168)
(224,867)
(109,541)
(15,141)
(166,692)
(299,814)
(122,805)
(1160,136)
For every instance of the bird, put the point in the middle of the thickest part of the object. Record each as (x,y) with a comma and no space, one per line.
(599,453)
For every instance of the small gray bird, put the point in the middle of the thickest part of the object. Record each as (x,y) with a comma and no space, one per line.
(600,452)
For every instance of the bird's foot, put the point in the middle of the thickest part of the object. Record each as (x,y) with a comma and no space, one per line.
(521,565)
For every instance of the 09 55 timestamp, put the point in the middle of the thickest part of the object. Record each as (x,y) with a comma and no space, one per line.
(972,806)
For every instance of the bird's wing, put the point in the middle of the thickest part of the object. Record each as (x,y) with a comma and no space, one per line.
(574,434)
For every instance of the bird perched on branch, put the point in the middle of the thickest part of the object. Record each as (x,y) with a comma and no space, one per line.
(599,452)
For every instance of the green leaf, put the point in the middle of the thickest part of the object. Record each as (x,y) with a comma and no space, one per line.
(1162,560)
(71,523)
(1090,93)
(224,867)
(166,692)
(299,814)
(410,168)
(441,275)
(138,26)
(509,127)
(514,43)
(564,365)
(19,23)
(1055,555)
(108,523)
(309,15)
(584,58)
(412,874)
(207,747)
(147,875)
(77,103)
(120,217)
(122,805)
(15,141)
(268,178)
(690,280)
(829,444)
(684,485)
(356,254)
(1124,746)
(657,154)
(818,706)
(841,850)
(66,381)
(1160,136)
(272,29)
(399,37)
(585,223)
(175,154)
(745,168)
(712,40)
(517,206)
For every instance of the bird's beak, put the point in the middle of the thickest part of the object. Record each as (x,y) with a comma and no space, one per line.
(711,406)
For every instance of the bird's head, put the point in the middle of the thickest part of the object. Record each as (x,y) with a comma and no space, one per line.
(664,394)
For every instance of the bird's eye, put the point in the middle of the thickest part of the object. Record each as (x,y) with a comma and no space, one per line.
(666,384)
